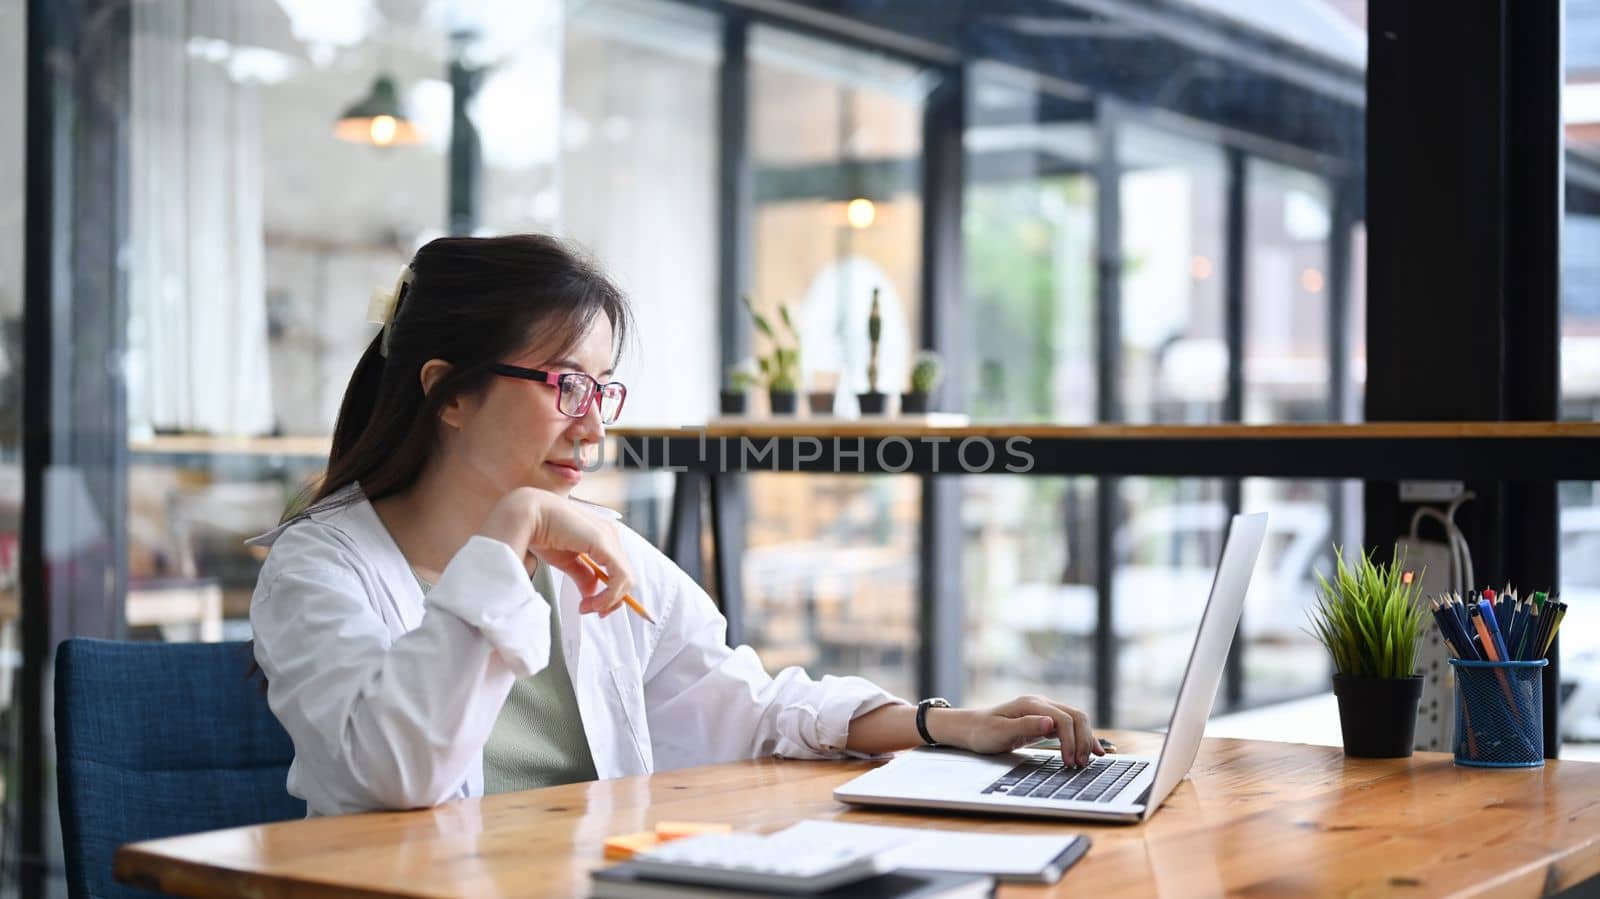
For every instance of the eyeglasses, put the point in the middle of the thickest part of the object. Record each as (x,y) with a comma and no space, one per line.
(575,391)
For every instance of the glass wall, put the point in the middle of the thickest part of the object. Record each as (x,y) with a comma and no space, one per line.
(1029,562)
(1158,157)
(1174,363)
(306,224)
(835,137)
(13,84)
(1095,192)
(1580,367)
(1288,378)
(1029,231)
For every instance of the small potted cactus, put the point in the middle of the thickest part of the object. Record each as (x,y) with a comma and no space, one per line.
(926,373)
(872,402)
(741,377)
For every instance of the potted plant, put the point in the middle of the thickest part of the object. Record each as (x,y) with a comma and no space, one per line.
(820,397)
(780,369)
(926,373)
(1370,620)
(872,402)
(741,377)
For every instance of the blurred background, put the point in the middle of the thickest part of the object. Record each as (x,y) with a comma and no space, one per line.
(1153,162)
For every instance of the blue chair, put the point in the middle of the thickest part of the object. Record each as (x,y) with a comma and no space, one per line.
(159,739)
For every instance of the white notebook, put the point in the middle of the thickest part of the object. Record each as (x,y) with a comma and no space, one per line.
(1018,858)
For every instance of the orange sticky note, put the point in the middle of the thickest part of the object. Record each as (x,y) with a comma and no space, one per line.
(677,830)
(630,844)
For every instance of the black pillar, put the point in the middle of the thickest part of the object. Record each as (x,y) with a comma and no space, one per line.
(1235,284)
(1108,408)
(1464,213)
(74,408)
(466,151)
(735,234)
(735,190)
(682,545)
(940,666)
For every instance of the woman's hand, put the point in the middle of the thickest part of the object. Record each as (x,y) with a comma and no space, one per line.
(556,531)
(1005,727)
(1012,725)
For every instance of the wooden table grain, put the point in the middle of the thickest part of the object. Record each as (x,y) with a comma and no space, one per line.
(1255,817)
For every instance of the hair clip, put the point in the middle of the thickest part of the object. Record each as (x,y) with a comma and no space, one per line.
(381,308)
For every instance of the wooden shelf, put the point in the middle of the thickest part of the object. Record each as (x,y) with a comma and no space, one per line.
(918,426)
(1511,451)
(211,445)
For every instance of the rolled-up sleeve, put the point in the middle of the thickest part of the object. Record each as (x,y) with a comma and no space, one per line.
(711,703)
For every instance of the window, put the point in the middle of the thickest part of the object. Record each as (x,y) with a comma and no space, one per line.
(1116,172)
(830,569)
(305,225)
(13,84)
(1580,348)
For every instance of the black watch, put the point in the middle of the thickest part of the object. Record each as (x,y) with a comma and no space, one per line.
(922,717)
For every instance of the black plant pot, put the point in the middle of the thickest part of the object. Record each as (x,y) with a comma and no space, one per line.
(782,401)
(1378,715)
(821,402)
(731,403)
(872,402)
(912,403)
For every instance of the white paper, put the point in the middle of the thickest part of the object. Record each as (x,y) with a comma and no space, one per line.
(1000,854)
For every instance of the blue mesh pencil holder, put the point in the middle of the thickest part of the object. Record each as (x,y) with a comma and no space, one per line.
(1499,713)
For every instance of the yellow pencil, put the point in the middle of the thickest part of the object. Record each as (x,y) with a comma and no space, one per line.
(626,597)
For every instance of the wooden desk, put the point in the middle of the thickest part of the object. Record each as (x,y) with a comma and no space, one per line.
(1270,818)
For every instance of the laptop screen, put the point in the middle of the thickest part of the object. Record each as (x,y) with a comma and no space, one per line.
(1211,643)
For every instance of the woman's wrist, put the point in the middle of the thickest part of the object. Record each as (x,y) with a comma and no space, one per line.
(949,727)
(515,519)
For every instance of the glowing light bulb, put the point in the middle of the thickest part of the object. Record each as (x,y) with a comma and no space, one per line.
(1311,281)
(860,213)
(383,130)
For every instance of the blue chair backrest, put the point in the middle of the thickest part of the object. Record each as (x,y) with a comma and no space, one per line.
(159,739)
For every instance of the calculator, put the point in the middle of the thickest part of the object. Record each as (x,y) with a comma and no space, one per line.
(779,863)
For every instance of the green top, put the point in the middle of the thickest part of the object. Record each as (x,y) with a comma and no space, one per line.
(538,740)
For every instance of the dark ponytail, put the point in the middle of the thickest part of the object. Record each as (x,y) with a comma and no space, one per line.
(360,396)
(471,301)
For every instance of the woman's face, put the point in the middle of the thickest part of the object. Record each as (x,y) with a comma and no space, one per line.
(512,435)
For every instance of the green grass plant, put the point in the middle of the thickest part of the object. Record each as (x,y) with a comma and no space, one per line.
(1369,617)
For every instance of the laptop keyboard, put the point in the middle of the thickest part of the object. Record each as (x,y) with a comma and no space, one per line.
(1099,781)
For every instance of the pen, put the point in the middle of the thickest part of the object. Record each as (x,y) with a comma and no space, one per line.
(1482,616)
(1475,613)
(1493,626)
(626,597)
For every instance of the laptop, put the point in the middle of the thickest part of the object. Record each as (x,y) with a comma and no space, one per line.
(1112,788)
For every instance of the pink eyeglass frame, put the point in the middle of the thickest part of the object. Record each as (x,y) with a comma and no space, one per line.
(554,380)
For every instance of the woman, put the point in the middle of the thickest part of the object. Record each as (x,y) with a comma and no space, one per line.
(427,628)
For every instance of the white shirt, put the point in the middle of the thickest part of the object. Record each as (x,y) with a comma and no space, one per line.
(389,699)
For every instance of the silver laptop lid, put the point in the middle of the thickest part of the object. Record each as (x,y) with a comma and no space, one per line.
(1200,679)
